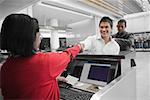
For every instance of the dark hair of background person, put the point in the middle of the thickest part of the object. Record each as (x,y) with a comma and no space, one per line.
(106,19)
(122,21)
(18,34)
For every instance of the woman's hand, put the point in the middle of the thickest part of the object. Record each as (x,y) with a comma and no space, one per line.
(61,78)
(81,46)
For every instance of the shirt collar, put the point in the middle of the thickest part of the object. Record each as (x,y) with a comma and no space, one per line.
(98,37)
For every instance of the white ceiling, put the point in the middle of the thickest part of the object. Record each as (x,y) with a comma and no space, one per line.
(53,9)
(10,6)
(64,16)
(71,11)
(117,8)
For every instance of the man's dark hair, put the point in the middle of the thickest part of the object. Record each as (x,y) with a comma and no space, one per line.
(18,34)
(122,21)
(106,19)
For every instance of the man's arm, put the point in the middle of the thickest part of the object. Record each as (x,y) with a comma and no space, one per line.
(126,42)
(87,43)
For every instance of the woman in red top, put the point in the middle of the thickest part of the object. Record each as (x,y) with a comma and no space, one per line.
(27,74)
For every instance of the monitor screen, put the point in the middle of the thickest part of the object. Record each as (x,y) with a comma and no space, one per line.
(94,73)
(45,44)
(98,73)
(62,42)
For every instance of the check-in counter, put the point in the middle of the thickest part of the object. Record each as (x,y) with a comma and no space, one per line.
(123,87)
(128,62)
(125,59)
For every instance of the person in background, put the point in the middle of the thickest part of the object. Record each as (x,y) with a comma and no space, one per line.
(148,40)
(102,43)
(28,74)
(123,38)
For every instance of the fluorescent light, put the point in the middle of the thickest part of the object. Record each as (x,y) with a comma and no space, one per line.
(61,31)
(64,9)
(45,31)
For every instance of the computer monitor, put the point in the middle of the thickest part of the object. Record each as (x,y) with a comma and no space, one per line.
(77,65)
(98,74)
(75,68)
(45,44)
(62,42)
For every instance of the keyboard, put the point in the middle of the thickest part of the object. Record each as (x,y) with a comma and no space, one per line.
(74,94)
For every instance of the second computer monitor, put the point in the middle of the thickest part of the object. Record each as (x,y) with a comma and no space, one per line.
(98,74)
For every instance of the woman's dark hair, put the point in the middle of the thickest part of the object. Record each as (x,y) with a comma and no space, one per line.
(36,25)
(18,33)
(106,19)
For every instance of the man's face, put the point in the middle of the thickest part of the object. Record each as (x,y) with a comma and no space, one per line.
(121,27)
(105,29)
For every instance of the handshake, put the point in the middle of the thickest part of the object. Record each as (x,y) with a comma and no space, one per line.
(81,45)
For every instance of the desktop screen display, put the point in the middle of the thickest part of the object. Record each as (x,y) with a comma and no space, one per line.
(45,44)
(99,73)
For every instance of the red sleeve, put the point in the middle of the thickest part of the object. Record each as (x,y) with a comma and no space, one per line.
(0,74)
(59,61)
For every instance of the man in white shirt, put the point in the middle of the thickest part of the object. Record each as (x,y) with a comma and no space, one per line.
(102,43)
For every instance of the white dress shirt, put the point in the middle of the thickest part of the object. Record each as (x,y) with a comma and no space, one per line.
(96,45)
